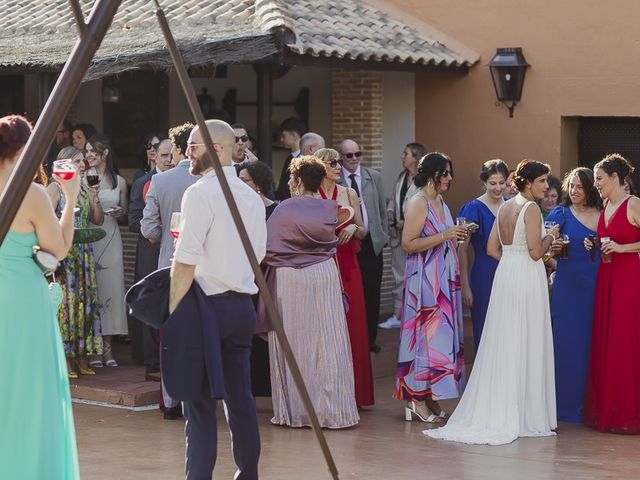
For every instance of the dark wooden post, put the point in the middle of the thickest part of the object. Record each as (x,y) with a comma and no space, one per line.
(265,97)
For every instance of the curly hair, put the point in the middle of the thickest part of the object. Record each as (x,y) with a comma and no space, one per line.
(615,163)
(180,135)
(528,171)
(310,170)
(261,175)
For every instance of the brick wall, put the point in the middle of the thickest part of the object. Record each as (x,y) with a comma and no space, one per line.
(357,113)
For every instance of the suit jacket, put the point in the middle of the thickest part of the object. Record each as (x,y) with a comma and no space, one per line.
(282,193)
(191,347)
(374,201)
(146,252)
(163,198)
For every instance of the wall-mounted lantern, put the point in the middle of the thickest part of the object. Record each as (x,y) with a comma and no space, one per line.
(508,67)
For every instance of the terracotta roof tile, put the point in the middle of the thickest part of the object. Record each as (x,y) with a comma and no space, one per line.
(350,29)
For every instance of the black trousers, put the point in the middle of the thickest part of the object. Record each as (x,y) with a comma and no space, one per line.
(237,318)
(371,271)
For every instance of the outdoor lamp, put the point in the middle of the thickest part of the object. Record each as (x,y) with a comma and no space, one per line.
(508,67)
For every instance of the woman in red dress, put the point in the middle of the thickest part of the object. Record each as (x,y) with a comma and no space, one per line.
(612,400)
(349,236)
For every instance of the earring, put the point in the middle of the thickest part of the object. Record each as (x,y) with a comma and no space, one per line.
(296,192)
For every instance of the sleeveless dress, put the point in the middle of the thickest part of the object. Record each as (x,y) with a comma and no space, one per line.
(110,269)
(357,314)
(37,438)
(484,267)
(79,312)
(511,390)
(431,352)
(571,314)
(612,401)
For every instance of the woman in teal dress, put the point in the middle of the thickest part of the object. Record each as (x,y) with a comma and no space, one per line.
(79,312)
(573,291)
(37,438)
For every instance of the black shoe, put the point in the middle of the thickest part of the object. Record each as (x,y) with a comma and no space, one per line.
(172,413)
(375,348)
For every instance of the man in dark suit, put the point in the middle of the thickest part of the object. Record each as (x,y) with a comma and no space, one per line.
(368,185)
(291,130)
(147,254)
(209,252)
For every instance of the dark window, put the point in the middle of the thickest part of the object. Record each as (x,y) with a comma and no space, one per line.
(11,94)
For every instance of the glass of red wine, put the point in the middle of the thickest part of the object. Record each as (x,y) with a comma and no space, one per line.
(64,169)
(92,177)
(175,226)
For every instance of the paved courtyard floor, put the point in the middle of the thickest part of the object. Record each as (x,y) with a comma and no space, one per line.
(119,444)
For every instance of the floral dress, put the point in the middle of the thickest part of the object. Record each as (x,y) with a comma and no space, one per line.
(79,312)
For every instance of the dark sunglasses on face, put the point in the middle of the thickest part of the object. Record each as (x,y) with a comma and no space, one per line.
(153,146)
(334,163)
(351,155)
(242,139)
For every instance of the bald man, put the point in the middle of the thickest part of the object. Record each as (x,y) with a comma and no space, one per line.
(209,252)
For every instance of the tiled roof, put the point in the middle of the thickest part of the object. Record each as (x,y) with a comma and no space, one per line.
(42,32)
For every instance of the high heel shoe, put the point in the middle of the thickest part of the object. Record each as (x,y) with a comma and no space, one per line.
(412,409)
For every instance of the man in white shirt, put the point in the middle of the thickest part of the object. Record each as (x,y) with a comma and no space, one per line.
(210,252)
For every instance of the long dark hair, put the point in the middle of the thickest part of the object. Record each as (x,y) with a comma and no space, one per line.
(142,150)
(100,143)
(586,179)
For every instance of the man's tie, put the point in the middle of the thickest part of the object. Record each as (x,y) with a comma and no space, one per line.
(354,185)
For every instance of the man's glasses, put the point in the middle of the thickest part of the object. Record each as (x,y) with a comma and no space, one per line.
(153,146)
(242,139)
(351,155)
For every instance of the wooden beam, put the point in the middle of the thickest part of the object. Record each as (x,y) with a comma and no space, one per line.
(265,97)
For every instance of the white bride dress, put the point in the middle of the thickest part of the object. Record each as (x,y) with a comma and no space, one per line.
(511,392)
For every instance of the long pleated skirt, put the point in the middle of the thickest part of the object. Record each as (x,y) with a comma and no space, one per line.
(310,302)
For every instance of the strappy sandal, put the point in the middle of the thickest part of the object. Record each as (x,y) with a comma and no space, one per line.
(109,362)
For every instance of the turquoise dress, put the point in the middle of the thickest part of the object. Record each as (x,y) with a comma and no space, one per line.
(37,438)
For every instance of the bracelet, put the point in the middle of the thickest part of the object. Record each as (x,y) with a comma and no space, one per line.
(442,235)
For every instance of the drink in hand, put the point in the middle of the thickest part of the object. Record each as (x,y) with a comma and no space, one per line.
(564,253)
(92,177)
(64,169)
(175,226)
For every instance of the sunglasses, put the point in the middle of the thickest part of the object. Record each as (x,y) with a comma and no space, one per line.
(447,173)
(153,146)
(242,139)
(333,163)
(351,155)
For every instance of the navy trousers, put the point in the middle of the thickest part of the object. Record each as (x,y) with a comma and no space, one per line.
(236,318)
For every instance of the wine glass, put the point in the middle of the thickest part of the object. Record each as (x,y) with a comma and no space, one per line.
(64,169)
(93,179)
(175,226)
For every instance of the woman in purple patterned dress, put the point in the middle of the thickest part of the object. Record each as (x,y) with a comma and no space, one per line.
(431,355)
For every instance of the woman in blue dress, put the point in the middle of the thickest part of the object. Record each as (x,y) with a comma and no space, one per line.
(476,285)
(573,290)
(37,438)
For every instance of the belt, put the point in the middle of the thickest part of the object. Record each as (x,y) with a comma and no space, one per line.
(230,293)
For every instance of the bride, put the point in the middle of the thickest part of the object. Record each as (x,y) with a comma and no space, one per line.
(511,390)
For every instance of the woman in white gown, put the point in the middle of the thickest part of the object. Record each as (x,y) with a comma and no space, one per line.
(511,390)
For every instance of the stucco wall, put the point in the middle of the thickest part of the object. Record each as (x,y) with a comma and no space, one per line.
(584,63)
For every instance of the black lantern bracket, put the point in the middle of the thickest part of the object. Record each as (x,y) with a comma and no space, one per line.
(508,67)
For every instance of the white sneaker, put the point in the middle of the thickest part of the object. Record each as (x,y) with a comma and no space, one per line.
(391,322)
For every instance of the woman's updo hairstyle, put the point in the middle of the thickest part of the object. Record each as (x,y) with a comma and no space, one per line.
(261,175)
(615,163)
(431,167)
(14,133)
(491,167)
(310,170)
(528,171)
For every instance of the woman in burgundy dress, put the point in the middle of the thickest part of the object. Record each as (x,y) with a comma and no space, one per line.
(349,236)
(612,400)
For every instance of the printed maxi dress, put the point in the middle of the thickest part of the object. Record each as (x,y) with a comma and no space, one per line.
(431,354)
